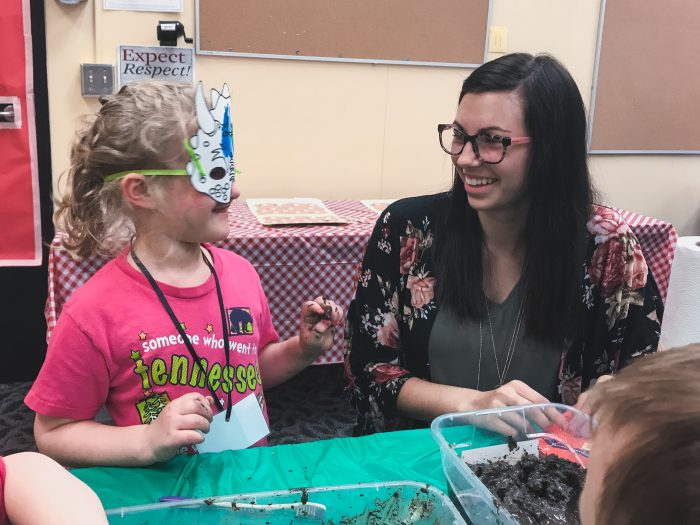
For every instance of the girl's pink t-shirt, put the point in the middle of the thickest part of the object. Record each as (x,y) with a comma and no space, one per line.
(115,345)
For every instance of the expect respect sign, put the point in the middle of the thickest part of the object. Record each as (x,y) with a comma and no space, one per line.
(161,63)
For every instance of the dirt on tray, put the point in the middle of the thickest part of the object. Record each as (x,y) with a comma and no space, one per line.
(535,491)
(392,511)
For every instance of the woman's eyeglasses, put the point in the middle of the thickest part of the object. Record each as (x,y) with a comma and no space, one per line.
(488,148)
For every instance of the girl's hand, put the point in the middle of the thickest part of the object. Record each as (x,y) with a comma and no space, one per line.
(183,422)
(318,321)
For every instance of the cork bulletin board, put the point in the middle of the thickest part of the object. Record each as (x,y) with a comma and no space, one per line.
(646,78)
(414,32)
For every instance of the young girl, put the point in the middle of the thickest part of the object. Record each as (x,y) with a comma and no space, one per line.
(173,330)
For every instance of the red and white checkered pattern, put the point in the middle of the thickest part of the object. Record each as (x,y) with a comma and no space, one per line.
(295,264)
(658,241)
(299,263)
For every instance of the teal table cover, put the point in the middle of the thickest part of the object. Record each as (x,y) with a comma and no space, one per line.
(391,456)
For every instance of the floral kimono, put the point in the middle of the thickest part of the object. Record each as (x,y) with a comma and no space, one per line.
(390,319)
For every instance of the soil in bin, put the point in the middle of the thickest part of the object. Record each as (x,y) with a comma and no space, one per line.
(535,491)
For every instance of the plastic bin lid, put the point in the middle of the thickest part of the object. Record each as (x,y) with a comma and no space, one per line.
(395,502)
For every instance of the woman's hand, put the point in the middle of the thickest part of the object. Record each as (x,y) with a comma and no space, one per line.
(516,393)
(512,393)
(317,329)
(182,422)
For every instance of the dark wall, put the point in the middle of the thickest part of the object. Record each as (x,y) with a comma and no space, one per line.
(23,290)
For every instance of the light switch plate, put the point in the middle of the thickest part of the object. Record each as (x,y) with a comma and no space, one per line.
(498,39)
(97,79)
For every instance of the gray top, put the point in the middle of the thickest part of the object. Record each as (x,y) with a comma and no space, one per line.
(453,350)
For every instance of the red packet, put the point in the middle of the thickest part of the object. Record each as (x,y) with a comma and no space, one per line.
(556,444)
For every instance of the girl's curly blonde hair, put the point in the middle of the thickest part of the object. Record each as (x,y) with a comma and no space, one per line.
(142,127)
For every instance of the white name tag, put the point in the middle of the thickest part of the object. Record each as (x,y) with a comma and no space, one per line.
(498,452)
(246,427)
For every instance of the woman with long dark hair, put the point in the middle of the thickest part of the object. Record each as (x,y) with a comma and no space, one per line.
(511,288)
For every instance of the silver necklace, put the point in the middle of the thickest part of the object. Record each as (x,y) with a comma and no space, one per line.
(481,343)
(511,347)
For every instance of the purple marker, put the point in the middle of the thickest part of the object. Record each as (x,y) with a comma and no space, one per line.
(165,499)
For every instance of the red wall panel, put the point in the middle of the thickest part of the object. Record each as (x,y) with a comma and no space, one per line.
(20,226)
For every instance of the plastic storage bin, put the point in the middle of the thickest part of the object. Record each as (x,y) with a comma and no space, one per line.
(390,503)
(479,436)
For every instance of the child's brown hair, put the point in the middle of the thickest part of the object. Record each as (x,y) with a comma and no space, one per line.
(143,126)
(656,478)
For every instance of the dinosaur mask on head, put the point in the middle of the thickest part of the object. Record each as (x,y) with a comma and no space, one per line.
(211,167)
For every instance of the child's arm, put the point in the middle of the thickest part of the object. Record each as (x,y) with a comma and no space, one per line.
(38,491)
(88,443)
(281,361)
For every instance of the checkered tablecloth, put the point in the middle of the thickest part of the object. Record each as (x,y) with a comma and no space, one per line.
(658,241)
(299,263)
(295,264)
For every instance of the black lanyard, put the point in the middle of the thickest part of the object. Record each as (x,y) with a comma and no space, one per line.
(178,326)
